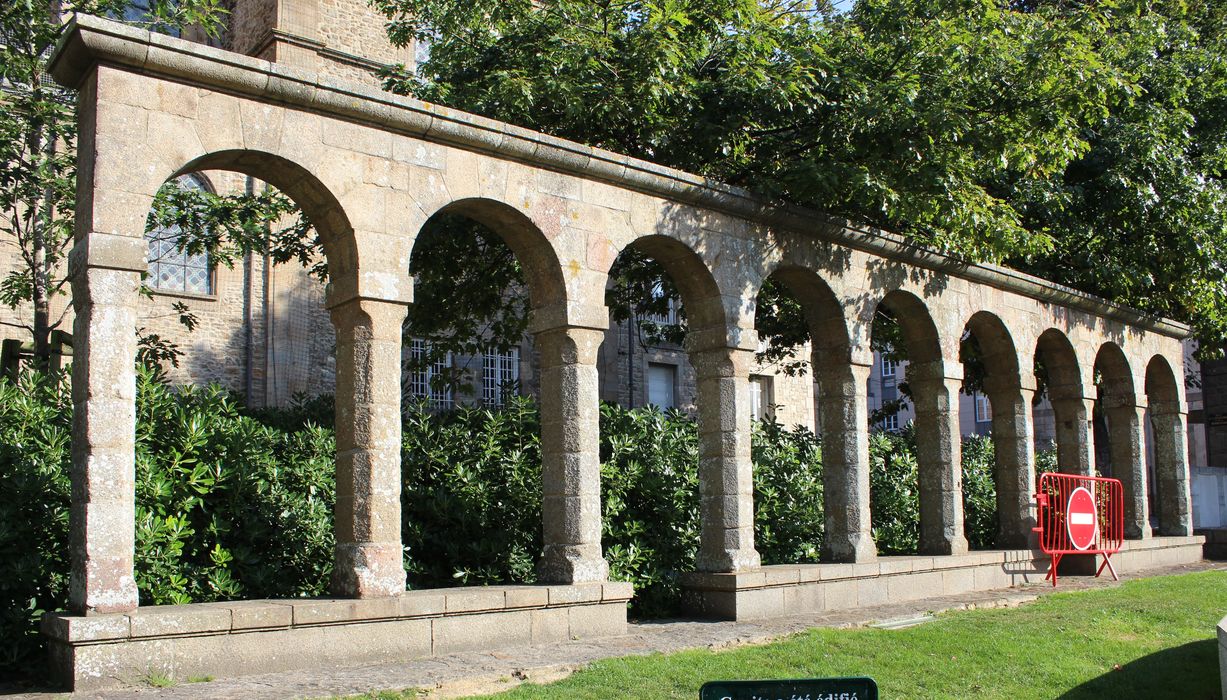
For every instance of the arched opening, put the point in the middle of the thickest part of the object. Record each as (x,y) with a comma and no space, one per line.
(796,309)
(904,335)
(208,235)
(478,449)
(999,410)
(1119,437)
(677,352)
(1171,470)
(1060,380)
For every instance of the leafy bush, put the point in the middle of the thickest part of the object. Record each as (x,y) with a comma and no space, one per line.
(650,502)
(788,507)
(471,495)
(236,503)
(979,492)
(226,507)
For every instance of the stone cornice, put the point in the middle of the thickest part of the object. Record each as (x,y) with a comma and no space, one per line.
(90,40)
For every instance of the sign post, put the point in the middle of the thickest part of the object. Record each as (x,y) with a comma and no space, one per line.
(803,689)
(1080,515)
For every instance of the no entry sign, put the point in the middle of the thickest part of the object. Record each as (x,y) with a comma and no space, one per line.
(1080,519)
(1080,515)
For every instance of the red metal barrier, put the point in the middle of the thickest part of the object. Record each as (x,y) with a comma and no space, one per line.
(1080,515)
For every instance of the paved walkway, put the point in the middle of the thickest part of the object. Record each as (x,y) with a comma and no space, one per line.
(459,675)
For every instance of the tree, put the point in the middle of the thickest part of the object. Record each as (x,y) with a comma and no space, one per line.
(1080,141)
(38,173)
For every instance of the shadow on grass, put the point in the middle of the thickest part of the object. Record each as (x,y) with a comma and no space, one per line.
(1189,671)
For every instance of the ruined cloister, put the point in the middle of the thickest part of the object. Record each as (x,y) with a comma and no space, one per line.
(370,169)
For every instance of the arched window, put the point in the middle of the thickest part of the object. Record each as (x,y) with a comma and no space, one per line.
(171,269)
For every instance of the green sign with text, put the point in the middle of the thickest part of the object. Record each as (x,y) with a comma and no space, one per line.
(804,689)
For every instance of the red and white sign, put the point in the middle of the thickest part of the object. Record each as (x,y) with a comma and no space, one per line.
(1081,519)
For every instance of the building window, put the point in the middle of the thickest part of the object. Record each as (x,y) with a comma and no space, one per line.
(889,368)
(891,422)
(984,409)
(500,376)
(662,385)
(430,382)
(762,397)
(171,269)
(670,316)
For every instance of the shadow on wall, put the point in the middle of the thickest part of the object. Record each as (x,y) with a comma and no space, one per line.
(1188,671)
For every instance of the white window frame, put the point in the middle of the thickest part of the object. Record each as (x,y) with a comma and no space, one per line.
(421,379)
(891,422)
(890,368)
(500,374)
(762,396)
(984,408)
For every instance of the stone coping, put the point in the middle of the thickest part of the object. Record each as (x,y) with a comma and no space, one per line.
(90,40)
(164,621)
(777,575)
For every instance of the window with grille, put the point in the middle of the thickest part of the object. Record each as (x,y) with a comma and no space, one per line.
(500,376)
(761,397)
(429,382)
(172,269)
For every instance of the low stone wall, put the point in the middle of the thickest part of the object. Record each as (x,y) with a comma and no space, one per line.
(775,591)
(261,636)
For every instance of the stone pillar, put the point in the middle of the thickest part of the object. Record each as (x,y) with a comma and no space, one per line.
(570,456)
(369,561)
(939,458)
(1127,450)
(106,275)
(1172,470)
(726,482)
(843,422)
(1075,437)
(1014,447)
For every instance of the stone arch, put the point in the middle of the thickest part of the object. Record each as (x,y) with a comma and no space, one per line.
(1124,416)
(842,416)
(317,201)
(722,355)
(934,385)
(1071,405)
(1012,434)
(1167,417)
(701,296)
(543,272)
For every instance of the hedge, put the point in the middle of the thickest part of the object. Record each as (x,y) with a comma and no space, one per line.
(235,503)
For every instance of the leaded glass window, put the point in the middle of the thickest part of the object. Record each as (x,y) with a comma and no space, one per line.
(171,269)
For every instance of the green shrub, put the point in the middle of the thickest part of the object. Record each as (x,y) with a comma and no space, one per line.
(650,502)
(894,492)
(471,495)
(226,507)
(236,503)
(788,507)
(979,492)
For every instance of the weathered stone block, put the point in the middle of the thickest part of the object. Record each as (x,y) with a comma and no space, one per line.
(488,631)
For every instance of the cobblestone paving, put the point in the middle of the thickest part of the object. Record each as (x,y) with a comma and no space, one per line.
(460,675)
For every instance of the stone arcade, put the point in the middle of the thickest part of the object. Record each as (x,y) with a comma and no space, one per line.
(369,169)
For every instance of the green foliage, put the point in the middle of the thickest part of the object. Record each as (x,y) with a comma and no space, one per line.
(234,503)
(979,492)
(788,505)
(472,495)
(227,507)
(894,492)
(1084,142)
(650,494)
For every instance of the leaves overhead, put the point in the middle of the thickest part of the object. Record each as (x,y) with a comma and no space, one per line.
(1080,141)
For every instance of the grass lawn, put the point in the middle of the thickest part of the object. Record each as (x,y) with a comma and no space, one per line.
(1150,638)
